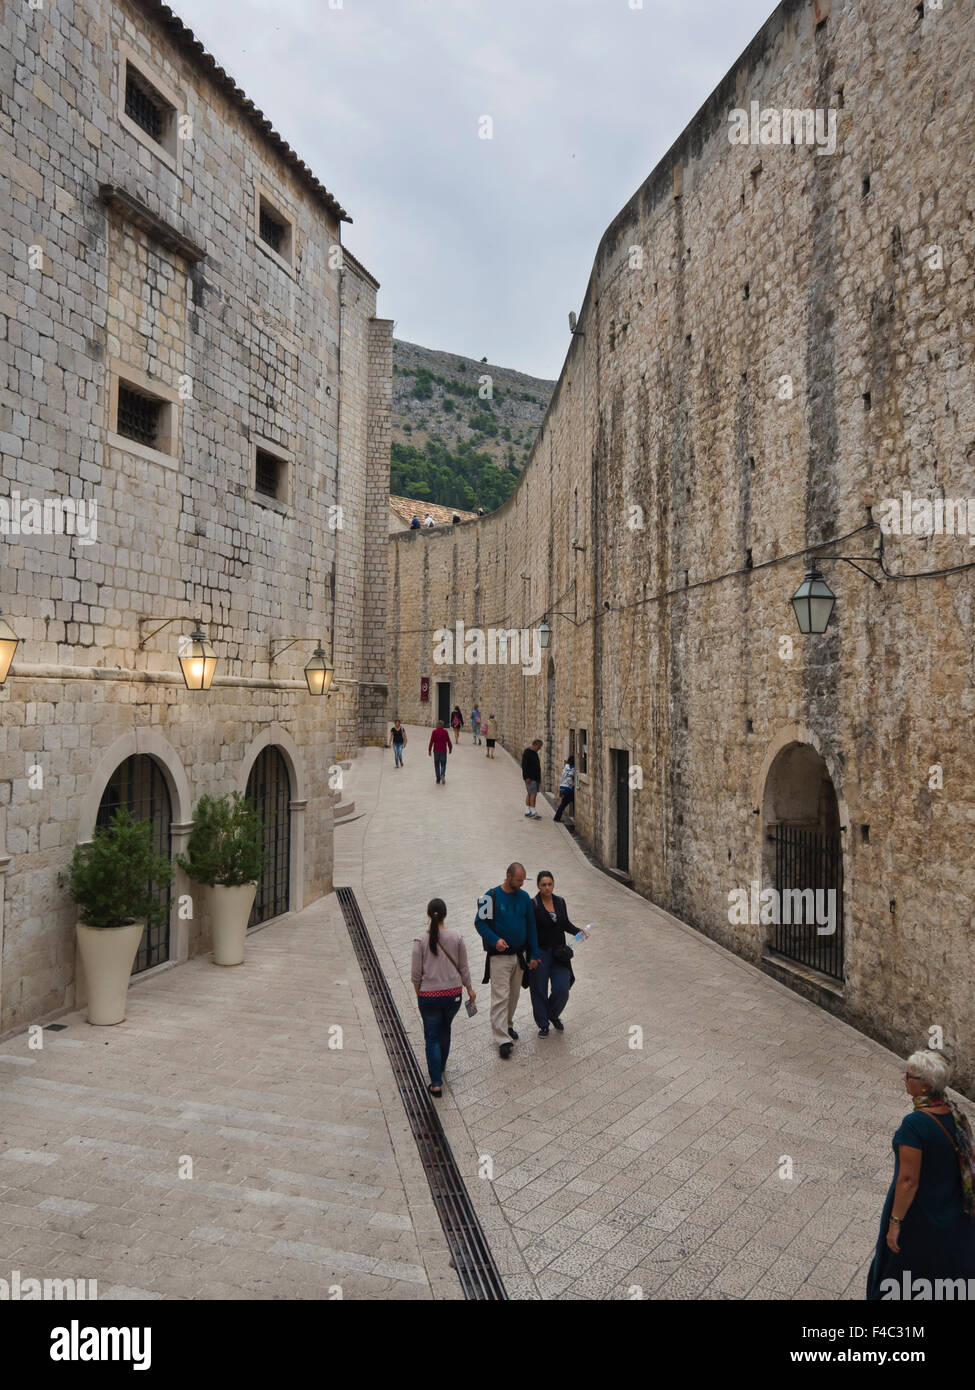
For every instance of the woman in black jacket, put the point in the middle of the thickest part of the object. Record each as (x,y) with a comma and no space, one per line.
(552,978)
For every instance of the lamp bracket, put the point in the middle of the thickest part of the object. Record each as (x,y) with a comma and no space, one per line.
(851,561)
(162,622)
(273,655)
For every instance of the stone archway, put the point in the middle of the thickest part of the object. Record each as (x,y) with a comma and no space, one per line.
(290,839)
(802,860)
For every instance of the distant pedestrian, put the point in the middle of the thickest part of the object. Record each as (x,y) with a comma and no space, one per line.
(456,518)
(927,1229)
(505,922)
(476,725)
(415,524)
(490,736)
(398,741)
(531,772)
(567,788)
(457,723)
(438,748)
(428,520)
(439,969)
(551,981)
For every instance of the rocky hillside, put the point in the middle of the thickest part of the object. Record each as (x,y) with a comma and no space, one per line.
(459,439)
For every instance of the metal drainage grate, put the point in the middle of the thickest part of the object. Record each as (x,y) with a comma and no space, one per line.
(472,1259)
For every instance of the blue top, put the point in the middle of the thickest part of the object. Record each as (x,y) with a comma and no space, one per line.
(509,917)
(937,1239)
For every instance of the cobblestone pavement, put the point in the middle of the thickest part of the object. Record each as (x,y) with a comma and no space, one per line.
(614,1167)
(305,1174)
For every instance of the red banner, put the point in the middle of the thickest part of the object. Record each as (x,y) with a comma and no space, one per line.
(424,688)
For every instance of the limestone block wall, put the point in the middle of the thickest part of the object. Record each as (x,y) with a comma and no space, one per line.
(165,284)
(773,342)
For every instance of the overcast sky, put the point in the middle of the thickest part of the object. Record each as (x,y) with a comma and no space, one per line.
(482,246)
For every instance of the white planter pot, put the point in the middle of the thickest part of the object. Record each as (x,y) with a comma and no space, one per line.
(108,954)
(229,911)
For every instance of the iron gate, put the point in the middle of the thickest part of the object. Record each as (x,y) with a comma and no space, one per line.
(139,785)
(269,792)
(809,882)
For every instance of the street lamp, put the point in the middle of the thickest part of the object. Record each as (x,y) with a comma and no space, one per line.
(544,635)
(813,603)
(197,660)
(319,673)
(8,645)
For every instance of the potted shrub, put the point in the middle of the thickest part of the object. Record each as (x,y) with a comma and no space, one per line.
(115,880)
(225,853)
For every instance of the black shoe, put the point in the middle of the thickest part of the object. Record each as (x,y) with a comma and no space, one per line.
(505,1050)
(435,1091)
(512,1034)
(543,1032)
(558,1025)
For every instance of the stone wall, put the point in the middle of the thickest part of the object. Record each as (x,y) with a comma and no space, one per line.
(123,256)
(773,341)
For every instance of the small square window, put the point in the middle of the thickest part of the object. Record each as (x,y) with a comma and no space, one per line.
(275,230)
(139,416)
(268,473)
(149,108)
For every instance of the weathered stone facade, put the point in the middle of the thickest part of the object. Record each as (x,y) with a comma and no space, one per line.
(732,269)
(136,253)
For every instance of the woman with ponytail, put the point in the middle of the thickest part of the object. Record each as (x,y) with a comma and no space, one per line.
(439,973)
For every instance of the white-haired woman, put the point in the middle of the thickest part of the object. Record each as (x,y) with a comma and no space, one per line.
(928,1226)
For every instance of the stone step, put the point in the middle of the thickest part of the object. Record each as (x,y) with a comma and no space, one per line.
(342,809)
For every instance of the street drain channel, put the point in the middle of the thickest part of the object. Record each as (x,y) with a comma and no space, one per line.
(471,1255)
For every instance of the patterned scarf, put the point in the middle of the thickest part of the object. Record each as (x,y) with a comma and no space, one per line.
(964,1147)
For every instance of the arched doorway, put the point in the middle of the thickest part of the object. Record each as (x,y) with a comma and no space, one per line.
(138,784)
(269,792)
(803,860)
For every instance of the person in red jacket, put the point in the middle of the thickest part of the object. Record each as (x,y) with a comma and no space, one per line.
(438,748)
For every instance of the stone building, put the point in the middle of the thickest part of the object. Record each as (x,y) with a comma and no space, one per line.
(195,401)
(775,345)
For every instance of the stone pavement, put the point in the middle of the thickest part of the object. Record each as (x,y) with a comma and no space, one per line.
(613,1168)
(304,1172)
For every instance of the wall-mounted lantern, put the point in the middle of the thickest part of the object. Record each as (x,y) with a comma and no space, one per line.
(813,603)
(544,636)
(319,671)
(8,646)
(197,659)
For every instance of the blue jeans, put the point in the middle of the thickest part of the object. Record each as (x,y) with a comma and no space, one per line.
(476,728)
(438,1014)
(440,765)
(397,755)
(546,976)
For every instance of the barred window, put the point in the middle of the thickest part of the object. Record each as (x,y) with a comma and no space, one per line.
(144,105)
(269,474)
(138,416)
(272,230)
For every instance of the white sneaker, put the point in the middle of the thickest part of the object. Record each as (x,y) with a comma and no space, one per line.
(527,811)
(536,816)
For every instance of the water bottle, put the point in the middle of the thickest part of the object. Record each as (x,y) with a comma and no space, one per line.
(581,935)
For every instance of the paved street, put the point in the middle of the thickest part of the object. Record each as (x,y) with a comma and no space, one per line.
(612,1167)
(304,1169)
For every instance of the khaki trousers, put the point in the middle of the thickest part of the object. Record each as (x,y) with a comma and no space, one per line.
(505,989)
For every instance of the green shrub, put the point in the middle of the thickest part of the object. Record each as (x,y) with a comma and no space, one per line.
(226,844)
(115,879)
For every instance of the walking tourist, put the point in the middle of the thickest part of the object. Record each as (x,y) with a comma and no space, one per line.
(439,970)
(476,725)
(397,741)
(552,979)
(567,789)
(927,1230)
(490,736)
(531,771)
(506,923)
(438,748)
(457,723)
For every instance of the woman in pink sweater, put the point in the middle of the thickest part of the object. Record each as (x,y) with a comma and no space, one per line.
(439,972)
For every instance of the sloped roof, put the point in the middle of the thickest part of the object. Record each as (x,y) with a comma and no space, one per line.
(187,41)
(406,508)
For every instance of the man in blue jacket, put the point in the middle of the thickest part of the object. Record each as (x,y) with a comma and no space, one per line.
(505,922)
